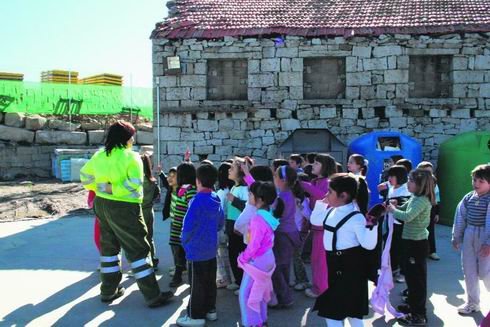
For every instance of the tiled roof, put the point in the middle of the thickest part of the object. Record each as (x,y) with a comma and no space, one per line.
(218,18)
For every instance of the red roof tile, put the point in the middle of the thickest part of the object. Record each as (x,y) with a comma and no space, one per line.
(217,18)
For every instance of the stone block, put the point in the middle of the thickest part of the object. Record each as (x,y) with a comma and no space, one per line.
(460,113)
(403,62)
(397,76)
(363,52)
(392,62)
(200,68)
(398,122)
(206,149)
(291,79)
(482,62)
(268,52)
(207,125)
(274,96)
(460,63)
(226,125)
(96,137)
(270,65)
(485,90)
(14,119)
(372,122)
(290,124)
(60,137)
(287,52)
(461,77)
(357,79)
(402,91)
(147,127)
(178,148)
(261,80)
(62,125)
(91,125)
(179,93)
(350,113)
(297,65)
(170,133)
(35,122)
(15,134)
(193,80)
(296,92)
(198,93)
(351,64)
(285,64)
(385,51)
(375,64)
(328,112)
(437,113)
(352,92)
(168,81)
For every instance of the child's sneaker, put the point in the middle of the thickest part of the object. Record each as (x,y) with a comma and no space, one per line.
(232,287)
(468,309)
(434,256)
(221,283)
(300,286)
(212,315)
(412,320)
(187,321)
(309,293)
(399,278)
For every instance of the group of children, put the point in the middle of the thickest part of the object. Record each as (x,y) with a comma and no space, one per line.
(242,226)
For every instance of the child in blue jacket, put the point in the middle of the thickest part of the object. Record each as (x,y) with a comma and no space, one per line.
(203,220)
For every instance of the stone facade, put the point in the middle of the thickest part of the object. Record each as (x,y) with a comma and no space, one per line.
(376,95)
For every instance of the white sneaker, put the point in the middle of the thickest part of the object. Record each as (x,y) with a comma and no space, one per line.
(212,315)
(187,321)
(300,286)
(468,309)
(399,278)
(434,256)
(310,293)
(237,292)
(232,287)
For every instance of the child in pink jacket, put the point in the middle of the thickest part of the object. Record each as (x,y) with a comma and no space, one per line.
(258,261)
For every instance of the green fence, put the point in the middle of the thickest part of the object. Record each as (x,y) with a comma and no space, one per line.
(62,99)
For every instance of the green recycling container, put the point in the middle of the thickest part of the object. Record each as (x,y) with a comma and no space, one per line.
(457,158)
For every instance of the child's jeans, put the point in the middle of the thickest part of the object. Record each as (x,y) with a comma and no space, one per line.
(475,267)
(415,269)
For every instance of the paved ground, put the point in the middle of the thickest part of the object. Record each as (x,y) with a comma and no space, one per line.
(48,277)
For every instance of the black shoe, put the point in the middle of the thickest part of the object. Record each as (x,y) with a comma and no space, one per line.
(412,320)
(176,281)
(403,308)
(109,298)
(404,292)
(162,299)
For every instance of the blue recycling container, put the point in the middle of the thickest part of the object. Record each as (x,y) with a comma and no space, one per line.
(379,148)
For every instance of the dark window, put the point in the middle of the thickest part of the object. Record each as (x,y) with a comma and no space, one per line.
(429,77)
(227,79)
(324,78)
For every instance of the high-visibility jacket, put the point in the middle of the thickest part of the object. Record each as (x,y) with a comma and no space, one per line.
(122,170)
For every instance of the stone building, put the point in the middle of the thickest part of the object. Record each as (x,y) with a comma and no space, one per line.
(245,77)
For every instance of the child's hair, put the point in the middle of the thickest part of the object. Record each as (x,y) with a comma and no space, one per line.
(288,175)
(147,167)
(262,173)
(207,175)
(297,158)
(424,183)
(405,163)
(361,161)
(482,172)
(186,174)
(339,168)
(266,191)
(310,157)
(425,165)
(347,183)
(276,163)
(230,161)
(223,181)
(172,170)
(400,172)
(396,157)
(207,162)
(328,164)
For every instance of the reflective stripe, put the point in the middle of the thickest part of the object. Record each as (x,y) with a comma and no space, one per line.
(134,192)
(109,270)
(114,258)
(89,179)
(101,187)
(143,273)
(140,263)
(136,181)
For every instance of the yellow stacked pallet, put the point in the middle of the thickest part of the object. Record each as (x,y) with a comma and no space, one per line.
(59,76)
(104,79)
(11,76)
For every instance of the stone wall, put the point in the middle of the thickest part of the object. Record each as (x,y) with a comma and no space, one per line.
(28,142)
(376,93)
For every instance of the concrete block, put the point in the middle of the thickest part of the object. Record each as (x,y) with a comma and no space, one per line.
(482,62)
(35,122)
(96,137)
(207,125)
(287,52)
(261,80)
(290,124)
(14,119)
(397,76)
(375,64)
(385,51)
(363,52)
(271,65)
(485,90)
(170,133)
(291,79)
(357,79)
(193,80)
(168,81)
(62,125)
(60,137)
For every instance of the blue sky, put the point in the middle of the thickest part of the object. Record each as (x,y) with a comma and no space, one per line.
(88,36)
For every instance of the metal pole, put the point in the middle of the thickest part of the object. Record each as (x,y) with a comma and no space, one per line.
(69,97)
(157,82)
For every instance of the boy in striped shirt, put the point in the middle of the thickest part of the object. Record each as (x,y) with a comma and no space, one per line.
(471,234)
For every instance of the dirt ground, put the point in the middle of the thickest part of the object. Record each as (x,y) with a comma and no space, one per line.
(41,198)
